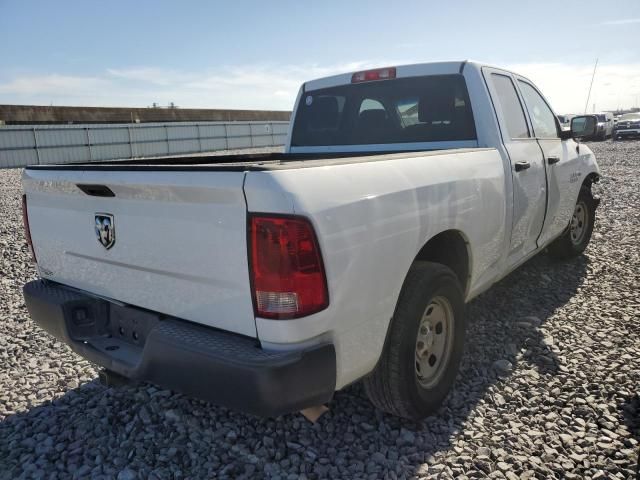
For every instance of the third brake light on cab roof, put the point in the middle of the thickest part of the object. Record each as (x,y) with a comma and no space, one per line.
(376,74)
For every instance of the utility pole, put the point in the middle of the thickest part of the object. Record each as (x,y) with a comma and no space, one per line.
(591,85)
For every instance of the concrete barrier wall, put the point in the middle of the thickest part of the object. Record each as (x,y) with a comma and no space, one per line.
(43,144)
(35,115)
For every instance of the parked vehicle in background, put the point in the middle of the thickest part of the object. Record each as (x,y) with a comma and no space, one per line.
(604,129)
(565,121)
(268,282)
(628,126)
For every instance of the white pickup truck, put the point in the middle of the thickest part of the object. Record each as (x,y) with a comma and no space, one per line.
(267,282)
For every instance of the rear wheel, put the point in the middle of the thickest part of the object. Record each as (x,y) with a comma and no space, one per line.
(424,345)
(578,234)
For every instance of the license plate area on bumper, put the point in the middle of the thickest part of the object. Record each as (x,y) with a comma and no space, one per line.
(126,333)
(95,318)
(129,325)
(115,330)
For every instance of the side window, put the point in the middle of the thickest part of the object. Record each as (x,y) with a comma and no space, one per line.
(542,118)
(510,105)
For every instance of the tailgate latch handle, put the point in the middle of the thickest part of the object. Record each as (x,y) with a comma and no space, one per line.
(96,190)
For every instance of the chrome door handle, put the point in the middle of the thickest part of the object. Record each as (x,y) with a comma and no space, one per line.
(522,166)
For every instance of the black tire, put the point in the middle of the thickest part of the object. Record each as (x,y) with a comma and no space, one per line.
(394,385)
(567,245)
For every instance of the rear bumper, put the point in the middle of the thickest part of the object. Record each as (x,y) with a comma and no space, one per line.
(202,362)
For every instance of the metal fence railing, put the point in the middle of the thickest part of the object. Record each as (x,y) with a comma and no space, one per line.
(43,144)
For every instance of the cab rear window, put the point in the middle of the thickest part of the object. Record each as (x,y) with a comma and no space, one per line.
(432,108)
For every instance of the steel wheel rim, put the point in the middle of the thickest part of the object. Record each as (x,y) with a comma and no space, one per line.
(579,221)
(434,341)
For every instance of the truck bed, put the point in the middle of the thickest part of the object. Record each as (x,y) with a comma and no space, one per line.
(245,162)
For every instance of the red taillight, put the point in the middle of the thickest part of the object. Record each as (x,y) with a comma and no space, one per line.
(371,75)
(27,230)
(287,273)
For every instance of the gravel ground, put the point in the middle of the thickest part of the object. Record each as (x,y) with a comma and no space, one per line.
(548,387)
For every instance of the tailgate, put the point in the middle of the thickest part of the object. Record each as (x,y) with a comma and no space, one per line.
(179,246)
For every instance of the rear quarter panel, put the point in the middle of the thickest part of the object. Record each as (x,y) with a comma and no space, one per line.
(372,218)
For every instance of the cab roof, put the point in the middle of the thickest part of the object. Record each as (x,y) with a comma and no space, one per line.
(402,71)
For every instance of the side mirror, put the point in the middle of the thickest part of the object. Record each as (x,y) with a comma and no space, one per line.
(583,126)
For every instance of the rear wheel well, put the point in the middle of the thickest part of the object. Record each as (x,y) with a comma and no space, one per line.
(448,248)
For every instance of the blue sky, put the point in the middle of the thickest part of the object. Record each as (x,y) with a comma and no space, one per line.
(250,54)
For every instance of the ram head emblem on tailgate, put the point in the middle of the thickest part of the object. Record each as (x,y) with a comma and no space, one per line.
(105,229)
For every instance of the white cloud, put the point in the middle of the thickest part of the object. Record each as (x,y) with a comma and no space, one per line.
(51,84)
(149,75)
(409,45)
(624,21)
(272,86)
(566,86)
(250,87)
